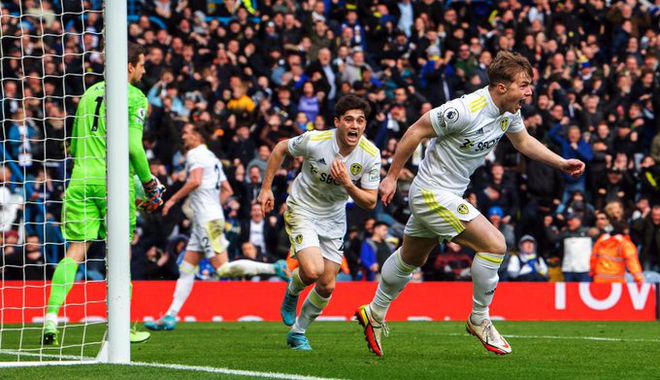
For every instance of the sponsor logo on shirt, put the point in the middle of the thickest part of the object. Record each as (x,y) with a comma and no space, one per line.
(467,144)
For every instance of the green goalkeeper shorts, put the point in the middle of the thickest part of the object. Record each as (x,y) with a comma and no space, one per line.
(84,212)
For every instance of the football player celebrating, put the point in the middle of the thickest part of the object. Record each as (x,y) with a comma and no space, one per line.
(464,132)
(336,161)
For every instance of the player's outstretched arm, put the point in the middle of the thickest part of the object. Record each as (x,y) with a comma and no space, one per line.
(266,198)
(534,149)
(194,180)
(419,131)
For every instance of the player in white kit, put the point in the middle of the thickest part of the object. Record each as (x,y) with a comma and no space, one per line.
(338,163)
(207,189)
(464,131)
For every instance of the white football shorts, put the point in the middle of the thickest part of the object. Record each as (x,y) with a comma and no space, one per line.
(437,213)
(208,239)
(305,232)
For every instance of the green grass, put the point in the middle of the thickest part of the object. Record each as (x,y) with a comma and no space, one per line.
(416,350)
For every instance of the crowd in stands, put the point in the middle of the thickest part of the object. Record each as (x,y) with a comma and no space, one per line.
(254,72)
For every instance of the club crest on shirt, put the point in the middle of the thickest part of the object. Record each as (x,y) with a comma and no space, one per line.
(450,115)
(298,239)
(463,209)
(356,169)
(504,124)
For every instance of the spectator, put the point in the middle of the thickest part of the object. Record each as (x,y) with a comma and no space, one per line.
(526,264)
(453,264)
(572,146)
(9,203)
(646,230)
(575,247)
(242,147)
(261,161)
(309,102)
(375,250)
(496,216)
(260,232)
(251,190)
(156,264)
(12,256)
(612,254)
(499,191)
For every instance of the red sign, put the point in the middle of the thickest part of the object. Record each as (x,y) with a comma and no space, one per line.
(260,301)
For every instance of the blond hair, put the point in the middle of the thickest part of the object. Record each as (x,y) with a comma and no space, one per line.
(506,66)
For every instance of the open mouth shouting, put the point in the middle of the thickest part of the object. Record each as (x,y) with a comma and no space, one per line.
(352,137)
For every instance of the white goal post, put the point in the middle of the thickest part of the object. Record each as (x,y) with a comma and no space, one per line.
(41,42)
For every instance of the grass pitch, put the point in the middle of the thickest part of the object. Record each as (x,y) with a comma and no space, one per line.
(414,350)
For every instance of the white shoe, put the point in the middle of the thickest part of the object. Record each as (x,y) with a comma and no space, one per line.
(489,336)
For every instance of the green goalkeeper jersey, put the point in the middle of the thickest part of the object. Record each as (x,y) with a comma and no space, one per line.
(88,141)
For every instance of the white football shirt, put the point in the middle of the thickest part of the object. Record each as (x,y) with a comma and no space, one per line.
(468,129)
(204,201)
(314,191)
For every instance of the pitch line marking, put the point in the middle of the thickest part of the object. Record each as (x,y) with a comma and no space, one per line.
(594,338)
(227,371)
(77,360)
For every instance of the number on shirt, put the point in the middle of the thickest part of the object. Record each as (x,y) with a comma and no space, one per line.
(217,173)
(95,126)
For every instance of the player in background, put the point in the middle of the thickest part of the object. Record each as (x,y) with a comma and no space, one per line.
(335,163)
(206,189)
(464,131)
(84,211)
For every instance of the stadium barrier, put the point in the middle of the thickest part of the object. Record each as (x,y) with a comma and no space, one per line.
(430,301)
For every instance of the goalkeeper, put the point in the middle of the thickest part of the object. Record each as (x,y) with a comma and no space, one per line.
(84,212)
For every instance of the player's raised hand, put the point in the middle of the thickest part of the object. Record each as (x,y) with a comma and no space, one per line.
(266,200)
(387,189)
(573,167)
(153,191)
(339,173)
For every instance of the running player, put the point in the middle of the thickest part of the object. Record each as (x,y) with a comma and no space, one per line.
(207,189)
(83,215)
(335,163)
(464,131)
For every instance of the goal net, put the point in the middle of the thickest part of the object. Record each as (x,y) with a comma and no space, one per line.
(51,51)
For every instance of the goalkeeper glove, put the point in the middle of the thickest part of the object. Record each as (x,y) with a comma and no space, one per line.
(153,191)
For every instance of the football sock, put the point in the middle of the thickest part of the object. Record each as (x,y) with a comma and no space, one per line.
(296,285)
(184,285)
(240,268)
(312,308)
(484,282)
(394,276)
(63,279)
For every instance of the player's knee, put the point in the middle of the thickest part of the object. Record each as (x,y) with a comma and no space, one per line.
(496,244)
(311,275)
(325,290)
